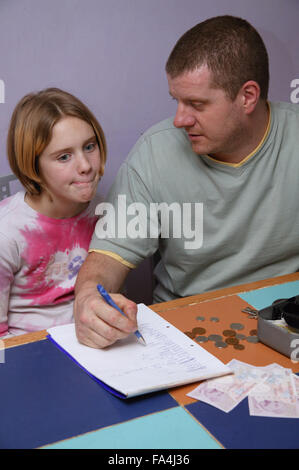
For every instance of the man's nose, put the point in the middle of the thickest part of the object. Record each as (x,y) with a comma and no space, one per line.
(183,117)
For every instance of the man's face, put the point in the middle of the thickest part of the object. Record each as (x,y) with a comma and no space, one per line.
(214,123)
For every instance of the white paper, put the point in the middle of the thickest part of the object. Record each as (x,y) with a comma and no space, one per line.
(168,359)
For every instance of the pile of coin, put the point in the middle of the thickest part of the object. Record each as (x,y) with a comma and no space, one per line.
(229,337)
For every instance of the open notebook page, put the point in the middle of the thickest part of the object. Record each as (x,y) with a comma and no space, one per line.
(168,359)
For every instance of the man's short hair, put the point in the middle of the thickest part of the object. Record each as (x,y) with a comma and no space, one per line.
(230,47)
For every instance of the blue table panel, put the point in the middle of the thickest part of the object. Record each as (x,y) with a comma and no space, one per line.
(238,430)
(45,397)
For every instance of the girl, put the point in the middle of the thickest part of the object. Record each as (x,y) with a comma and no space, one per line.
(57,150)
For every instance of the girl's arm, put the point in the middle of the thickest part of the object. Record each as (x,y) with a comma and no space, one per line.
(8,255)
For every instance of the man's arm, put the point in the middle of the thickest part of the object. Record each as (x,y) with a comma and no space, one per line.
(97,324)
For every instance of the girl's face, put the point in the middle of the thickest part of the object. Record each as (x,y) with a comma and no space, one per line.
(69,167)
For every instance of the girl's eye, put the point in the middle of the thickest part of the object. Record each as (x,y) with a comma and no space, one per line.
(65,157)
(90,147)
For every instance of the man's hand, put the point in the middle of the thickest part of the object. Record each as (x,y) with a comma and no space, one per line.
(97,324)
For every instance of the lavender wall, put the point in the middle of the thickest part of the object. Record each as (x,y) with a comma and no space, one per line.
(111,54)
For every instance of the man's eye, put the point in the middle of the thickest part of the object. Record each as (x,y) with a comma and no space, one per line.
(198,106)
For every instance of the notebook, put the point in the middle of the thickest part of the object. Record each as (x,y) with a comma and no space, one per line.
(129,368)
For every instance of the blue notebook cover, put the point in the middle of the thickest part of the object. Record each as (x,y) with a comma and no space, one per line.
(103,384)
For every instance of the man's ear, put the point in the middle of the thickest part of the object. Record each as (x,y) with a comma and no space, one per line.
(250,94)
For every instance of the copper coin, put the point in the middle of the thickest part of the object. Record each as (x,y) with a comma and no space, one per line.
(253,332)
(198,331)
(232,340)
(229,333)
(239,346)
(190,334)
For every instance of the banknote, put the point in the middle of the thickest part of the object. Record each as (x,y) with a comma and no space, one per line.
(227,392)
(276,396)
(296,382)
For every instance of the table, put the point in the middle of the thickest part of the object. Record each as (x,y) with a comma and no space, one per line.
(49,402)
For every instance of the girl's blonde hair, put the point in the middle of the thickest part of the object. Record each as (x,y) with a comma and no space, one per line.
(30,132)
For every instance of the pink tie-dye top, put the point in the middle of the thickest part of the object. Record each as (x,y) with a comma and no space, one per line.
(39,261)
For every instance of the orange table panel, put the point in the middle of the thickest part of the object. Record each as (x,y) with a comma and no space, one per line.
(228,310)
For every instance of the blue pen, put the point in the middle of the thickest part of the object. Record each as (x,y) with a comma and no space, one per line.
(110,302)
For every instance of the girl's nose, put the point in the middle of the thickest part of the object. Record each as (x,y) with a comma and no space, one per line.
(83,164)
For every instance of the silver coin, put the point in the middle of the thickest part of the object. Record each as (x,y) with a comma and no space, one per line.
(201,339)
(214,319)
(215,338)
(200,318)
(220,344)
(252,339)
(240,336)
(237,326)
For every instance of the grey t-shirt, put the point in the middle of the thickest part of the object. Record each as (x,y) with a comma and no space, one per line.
(247,214)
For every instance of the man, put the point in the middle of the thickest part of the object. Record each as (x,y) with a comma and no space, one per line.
(227,149)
